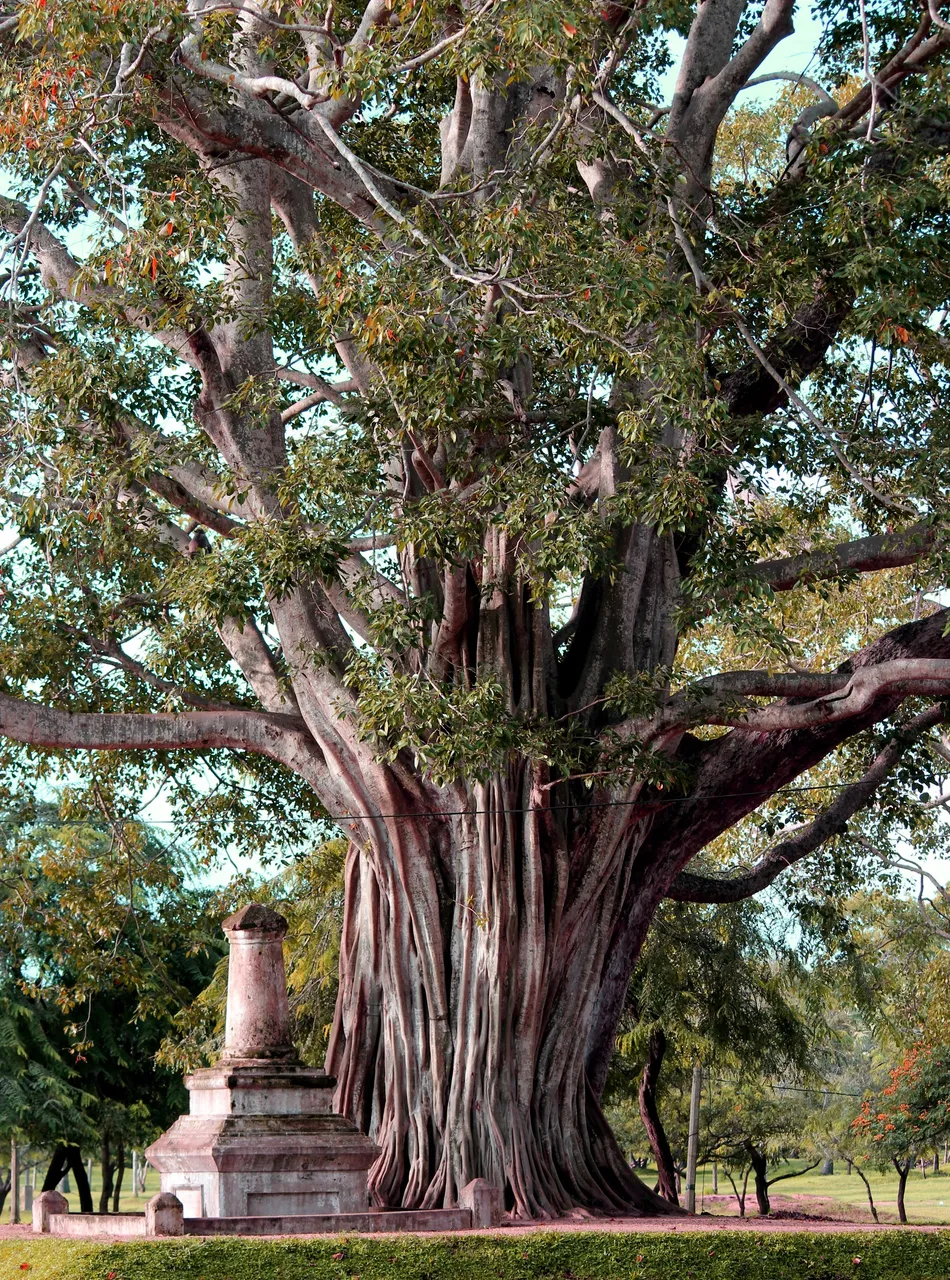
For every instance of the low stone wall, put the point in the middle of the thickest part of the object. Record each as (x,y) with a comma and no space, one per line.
(127,1225)
(479,1206)
(334,1224)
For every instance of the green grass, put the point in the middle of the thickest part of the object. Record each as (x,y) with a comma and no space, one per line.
(892,1255)
(927,1198)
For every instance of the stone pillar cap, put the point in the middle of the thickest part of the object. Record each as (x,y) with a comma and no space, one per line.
(256,918)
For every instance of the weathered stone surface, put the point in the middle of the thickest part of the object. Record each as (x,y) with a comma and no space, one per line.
(257,1023)
(164,1216)
(483,1201)
(126,1225)
(45,1205)
(333,1224)
(261,1137)
(260,1089)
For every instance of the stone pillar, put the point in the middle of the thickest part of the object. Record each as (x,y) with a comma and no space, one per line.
(484,1202)
(258,1017)
(164,1216)
(46,1204)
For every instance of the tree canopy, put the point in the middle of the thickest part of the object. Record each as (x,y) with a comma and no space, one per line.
(457,421)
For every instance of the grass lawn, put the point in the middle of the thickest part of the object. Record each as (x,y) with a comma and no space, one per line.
(894,1255)
(927,1198)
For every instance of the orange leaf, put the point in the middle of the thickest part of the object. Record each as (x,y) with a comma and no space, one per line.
(154,268)
(569,29)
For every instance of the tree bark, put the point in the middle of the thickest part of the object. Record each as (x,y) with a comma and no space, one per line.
(68,1156)
(74,1156)
(902,1171)
(759,1163)
(867,1187)
(119,1175)
(650,1116)
(466,993)
(108,1171)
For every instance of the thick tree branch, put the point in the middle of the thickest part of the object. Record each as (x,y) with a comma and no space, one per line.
(829,697)
(833,821)
(281,737)
(251,652)
(733,775)
(795,351)
(864,555)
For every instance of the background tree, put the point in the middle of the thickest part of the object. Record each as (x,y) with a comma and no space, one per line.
(395,398)
(753,1127)
(909,1116)
(716,985)
(103,940)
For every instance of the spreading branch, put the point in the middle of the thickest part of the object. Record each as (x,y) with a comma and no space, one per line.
(831,822)
(865,555)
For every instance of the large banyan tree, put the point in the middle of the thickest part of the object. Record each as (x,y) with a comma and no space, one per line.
(456,412)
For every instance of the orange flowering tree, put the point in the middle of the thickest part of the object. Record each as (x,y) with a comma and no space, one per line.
(910,1116)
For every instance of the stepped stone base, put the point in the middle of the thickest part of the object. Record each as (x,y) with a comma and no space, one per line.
(261,1140)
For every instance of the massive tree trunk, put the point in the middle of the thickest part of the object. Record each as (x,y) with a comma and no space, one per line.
(466,995)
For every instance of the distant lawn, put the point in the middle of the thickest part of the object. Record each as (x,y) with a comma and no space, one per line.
(128,1203)
(927,1198)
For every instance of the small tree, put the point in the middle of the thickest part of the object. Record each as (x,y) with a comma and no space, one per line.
(911,1115)
(714,983)
(751,1129)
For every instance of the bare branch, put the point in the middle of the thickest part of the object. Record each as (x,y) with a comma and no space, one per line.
(831,822)
(796,78)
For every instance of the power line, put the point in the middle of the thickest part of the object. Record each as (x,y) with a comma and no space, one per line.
(795,1088)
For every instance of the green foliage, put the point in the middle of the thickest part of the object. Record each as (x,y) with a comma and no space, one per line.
(911,1114)
(586,294)
(104,939)
(719,1255)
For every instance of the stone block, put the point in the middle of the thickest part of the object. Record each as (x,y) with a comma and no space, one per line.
(45,1205)
(484,1202)
(164,1216)
(97,1225)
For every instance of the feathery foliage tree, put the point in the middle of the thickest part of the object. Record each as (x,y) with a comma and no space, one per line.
(403,401)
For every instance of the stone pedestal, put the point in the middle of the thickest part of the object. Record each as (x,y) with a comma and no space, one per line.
(261,1138)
